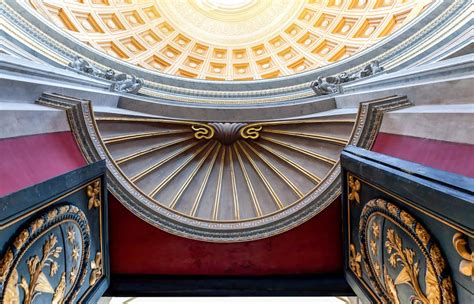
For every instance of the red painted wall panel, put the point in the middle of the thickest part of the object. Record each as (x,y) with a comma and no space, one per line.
(29,160)
(443,155)
(139,248)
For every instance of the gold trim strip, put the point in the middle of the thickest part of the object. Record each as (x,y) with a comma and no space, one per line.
(269,187)
(161,162)
(298,167)
(190,177)
(143,119)
(301,150)
(332,139)
(150,150)
(120,138)
(299,122)
(204,183)
(235,194)
(160,186)
(277,171)
(217,200)
(255,202)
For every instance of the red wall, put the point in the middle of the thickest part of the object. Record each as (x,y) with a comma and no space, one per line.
(443,155)
(139,248)
(136,247)
(28,160)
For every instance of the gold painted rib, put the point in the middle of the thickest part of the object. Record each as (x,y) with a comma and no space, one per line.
(331,139)
(204,183)
(163,183)
(255,202)
(217,200)
(120,138)
(267,184)
(145,119)
(152,149)
(298,167)
(235,195)
(301,150)
(162,162)
(288,182)
(190,177)
(300,122)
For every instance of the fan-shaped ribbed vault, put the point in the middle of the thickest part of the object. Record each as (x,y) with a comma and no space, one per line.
(239,40)
(225,171)
(222,182)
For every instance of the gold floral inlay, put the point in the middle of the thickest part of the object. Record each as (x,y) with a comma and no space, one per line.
(354,261)
(354,186)
(39,283)
(373,247)
(36,224)
(96,266)
(376,230)
(5,264)
(71,236)
(409,274)
(423,271)
(93,193)
(21,239)
(422,234)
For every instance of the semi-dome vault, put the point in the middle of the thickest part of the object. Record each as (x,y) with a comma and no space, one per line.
(230,40)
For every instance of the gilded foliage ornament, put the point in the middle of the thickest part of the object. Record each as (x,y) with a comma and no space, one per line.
(354,186)
(410,266)
(21,238)
(38,248)
(5,264)
(409,274)
(71,236)
(96,266)
(354,260)
(38,282)
(93,193)
(466,266)
(376,230)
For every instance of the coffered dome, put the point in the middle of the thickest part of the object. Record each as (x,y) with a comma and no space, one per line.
(230,39)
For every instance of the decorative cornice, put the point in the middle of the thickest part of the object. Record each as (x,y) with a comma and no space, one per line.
(277,90)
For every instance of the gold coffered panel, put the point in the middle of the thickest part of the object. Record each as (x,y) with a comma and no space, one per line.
(230,40)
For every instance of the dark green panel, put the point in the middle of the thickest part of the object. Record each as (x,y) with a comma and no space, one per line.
(53,240)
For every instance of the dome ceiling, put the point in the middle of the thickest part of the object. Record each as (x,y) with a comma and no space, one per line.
(230,39)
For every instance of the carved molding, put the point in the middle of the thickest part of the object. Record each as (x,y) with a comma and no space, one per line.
(160,86)
(255,143)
